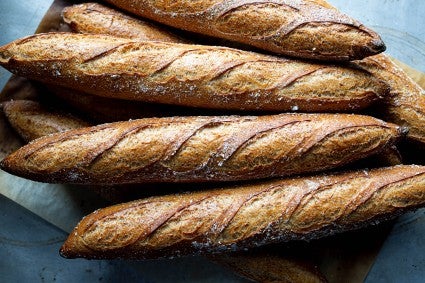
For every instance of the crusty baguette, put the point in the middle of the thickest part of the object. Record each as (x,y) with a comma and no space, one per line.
(247,216)
(270,268)
(185,149)
(95,18)
(406,103)
(190,75)
(128,192)
(99,19)
(31,120)
(304,29)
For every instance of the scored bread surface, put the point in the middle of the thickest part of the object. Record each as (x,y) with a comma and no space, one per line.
(216,148)
(99,19)
(31,120)
(405,104)
(247,216)
(304,29)
(190,75)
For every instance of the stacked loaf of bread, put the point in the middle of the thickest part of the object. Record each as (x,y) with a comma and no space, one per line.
(120,69)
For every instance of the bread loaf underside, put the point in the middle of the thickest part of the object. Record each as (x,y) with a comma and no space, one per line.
(243,217)
(190,75)
(304,29)
(405,104)
(99,19)
(185,149)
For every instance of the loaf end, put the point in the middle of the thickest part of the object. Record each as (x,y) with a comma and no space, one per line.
(374,47)
(73,247)
(5,54)
(8,165)
(69,250)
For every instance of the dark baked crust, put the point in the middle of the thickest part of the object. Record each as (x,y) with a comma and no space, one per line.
(99,19)
(189,75)
(304,29)
(218,148)
(31,120)
(405,104)
(247,216)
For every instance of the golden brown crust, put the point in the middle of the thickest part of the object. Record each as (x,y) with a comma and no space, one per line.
(270,268)
(220,148)
(32,121)
(304,29)
(190,75)
(247,216)
(405,105)
(99,19)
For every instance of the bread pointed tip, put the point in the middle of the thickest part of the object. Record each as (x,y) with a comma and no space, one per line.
(373,47)
(8,165)
(378,46)
(4,164)
(68,250)
(314,207)
(9,50)
(72,247)
(65,252)
(5,55)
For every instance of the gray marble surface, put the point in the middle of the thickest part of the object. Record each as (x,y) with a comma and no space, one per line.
(29,244)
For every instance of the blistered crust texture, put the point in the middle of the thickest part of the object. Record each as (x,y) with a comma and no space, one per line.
(405,104)
(242,217)
(189,75)
(304,29)
(98,19)
(206,149)
(32,121)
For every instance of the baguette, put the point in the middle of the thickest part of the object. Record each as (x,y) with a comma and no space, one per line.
(303,29)
(189,75)
(95,18)
(187,149)
(405,105)
(128,192)
(99,19)
(32,121)
(43,122)
(247,216)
